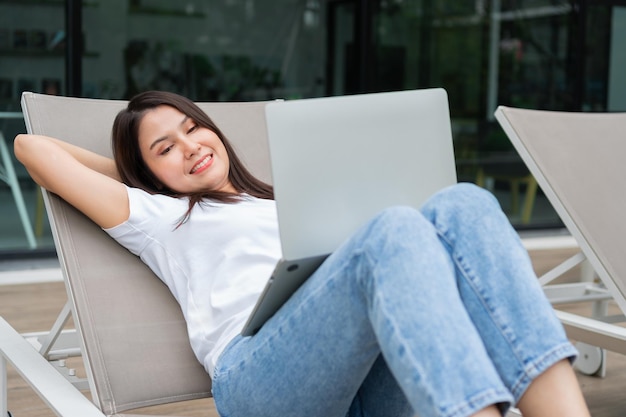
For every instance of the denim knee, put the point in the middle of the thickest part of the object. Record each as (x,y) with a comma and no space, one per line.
(463,200)
(463,203)
(394,222)
(397,215)
(464,197)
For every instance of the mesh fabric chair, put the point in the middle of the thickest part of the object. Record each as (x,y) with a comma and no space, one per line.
(132,334)
(578,161)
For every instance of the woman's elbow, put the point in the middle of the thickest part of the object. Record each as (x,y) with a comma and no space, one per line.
(23,147)
(18,145)
(25,150)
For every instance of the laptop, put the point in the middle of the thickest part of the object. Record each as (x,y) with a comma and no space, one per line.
(337,162)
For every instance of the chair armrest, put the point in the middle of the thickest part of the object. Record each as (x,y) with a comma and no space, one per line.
(594,332)
(58,393)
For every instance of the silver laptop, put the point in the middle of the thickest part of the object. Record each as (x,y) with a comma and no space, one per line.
(337,162)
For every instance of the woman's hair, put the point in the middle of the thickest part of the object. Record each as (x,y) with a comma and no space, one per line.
(135,173)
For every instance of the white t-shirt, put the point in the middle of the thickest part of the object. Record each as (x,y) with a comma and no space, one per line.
(215,264)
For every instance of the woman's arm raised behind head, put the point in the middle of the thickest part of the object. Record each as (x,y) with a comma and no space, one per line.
(88,181)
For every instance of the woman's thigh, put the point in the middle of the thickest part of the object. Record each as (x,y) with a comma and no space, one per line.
(309,359)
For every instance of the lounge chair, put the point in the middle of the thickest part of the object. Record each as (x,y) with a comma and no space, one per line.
(578,161)
(132,334)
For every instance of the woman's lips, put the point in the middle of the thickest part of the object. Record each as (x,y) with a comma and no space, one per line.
(201,165)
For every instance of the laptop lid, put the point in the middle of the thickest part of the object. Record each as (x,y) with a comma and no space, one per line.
(337,162)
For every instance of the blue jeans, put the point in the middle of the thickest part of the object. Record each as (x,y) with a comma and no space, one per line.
(435,312)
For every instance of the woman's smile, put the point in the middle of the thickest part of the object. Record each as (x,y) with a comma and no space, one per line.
(202,165)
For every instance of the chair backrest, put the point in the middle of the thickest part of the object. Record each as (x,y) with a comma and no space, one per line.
(134,338)
(579,162)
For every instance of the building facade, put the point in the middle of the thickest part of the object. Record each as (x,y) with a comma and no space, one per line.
(542,54)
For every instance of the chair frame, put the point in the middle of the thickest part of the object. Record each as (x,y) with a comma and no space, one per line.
(600,329)
(39,357)
(63,398)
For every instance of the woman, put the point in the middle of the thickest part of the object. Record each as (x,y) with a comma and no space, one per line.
(435,312)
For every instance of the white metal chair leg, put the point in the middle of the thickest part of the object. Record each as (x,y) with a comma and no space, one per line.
(57,345)
(55,331)
(591,359)
(561,268)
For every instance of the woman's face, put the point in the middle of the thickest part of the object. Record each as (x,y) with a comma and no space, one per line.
(185,157)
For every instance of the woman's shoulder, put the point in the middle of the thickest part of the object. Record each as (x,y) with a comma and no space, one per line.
(142,196)
(252,200)
(147,207)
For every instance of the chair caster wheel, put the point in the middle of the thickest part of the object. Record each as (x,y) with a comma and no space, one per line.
(591,360)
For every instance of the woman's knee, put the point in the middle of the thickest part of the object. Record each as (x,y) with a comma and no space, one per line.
(467,194)
(397,218)
(463,199)
(396,226)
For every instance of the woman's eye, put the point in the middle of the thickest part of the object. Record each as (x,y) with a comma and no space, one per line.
(166,150)
(192,129)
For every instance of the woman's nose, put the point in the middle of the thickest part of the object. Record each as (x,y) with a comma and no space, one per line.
(191,148)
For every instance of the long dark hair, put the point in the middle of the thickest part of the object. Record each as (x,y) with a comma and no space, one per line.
(134,171)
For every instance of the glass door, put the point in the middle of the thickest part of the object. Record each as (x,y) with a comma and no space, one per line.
(342,73)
